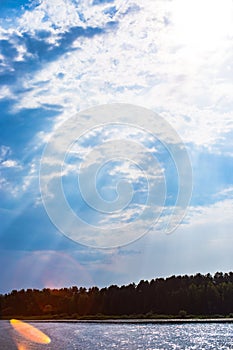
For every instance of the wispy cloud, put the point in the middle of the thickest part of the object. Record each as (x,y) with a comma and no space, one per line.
(60,57)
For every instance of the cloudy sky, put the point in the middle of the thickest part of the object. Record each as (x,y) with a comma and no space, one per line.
(98,99)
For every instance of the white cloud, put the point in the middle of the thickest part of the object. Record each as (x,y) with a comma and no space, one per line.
(60,15)
(225,193)
(15,177)
(9,163)
(5,158)
(171,76)
(217,213)
(148,60)
(5,91)
(142,62)
(202,245)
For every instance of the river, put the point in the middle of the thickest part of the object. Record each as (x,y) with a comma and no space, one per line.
(146,336)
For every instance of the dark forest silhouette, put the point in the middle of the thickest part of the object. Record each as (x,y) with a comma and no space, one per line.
(177,295)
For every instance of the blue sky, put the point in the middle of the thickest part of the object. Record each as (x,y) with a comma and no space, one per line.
(61,57)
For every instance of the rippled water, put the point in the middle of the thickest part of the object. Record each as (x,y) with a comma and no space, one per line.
(93,336)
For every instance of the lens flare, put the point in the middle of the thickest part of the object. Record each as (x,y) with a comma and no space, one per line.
(21,347)
(30,332)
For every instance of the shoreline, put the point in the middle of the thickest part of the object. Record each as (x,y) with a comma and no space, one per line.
(136,321)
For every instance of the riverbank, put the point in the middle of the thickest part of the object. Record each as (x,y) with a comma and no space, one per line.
(136,321)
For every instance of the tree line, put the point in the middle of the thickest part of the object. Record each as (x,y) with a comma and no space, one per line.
(176,295)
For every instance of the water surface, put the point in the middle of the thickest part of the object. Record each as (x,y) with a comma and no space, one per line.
(96,336)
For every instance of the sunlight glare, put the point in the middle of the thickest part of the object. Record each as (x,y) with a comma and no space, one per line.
(30,332)
(21,347)
(202,23)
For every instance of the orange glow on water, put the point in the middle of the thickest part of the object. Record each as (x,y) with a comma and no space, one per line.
(29,332)
(21,347)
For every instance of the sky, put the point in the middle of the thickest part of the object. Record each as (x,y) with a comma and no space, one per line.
(116,151)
